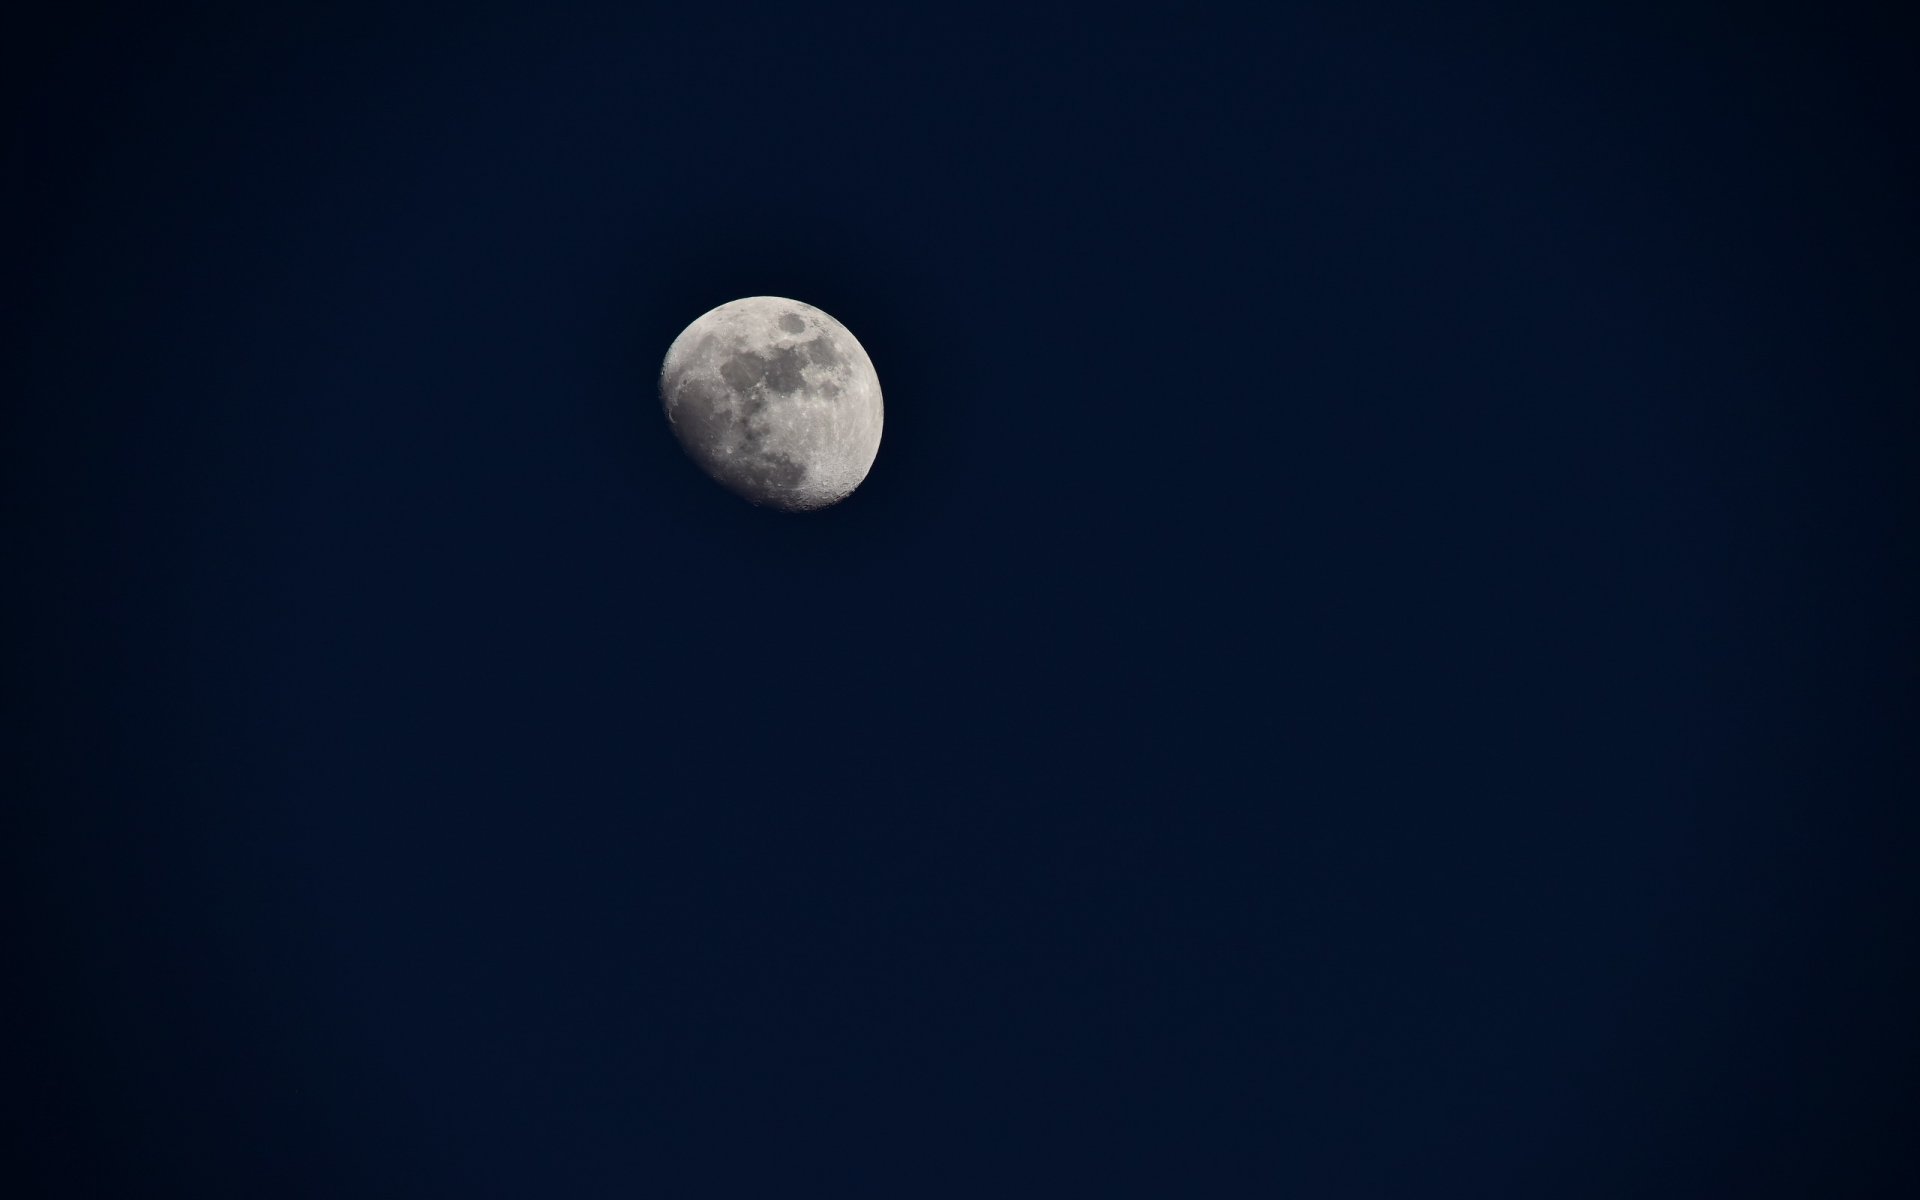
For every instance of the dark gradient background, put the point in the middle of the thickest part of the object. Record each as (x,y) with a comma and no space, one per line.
(1376,658)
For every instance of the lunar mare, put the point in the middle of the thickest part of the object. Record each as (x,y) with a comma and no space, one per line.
(775,400)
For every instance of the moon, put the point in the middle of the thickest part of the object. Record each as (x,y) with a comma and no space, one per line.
(775,400)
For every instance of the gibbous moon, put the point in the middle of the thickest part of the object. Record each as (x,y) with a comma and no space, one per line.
(775,400)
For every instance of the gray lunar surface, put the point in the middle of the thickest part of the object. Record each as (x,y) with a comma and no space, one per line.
(775,400)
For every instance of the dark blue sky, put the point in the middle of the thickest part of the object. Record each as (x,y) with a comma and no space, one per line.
(1376,658)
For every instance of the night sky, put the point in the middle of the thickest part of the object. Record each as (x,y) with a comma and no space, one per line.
(1377,658)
